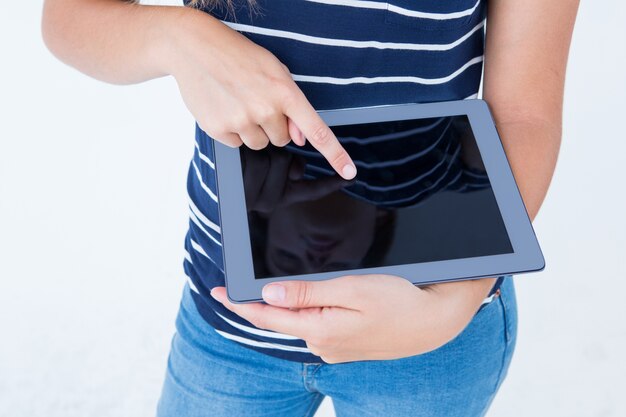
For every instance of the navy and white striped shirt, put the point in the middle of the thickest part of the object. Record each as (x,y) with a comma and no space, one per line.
(342,54)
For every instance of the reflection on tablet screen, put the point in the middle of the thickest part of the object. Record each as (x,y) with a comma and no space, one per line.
(421,194)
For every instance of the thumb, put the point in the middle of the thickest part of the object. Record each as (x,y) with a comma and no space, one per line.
(336,292)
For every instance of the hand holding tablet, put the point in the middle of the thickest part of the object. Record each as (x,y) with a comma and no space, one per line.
(434,200)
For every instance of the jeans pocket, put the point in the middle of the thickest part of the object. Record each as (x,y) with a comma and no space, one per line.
(507,301)
(509,308)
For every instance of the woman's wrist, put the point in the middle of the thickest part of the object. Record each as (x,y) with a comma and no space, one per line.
(165,42)
(453,305)
(178,35)
(474,290)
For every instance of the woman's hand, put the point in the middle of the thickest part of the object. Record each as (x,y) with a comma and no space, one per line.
(239,92)
(364,317)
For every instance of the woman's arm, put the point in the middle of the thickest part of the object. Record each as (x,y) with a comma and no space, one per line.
(238,91)
(527,46)
(113,40)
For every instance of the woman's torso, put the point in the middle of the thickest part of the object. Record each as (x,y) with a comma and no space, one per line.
(341,53)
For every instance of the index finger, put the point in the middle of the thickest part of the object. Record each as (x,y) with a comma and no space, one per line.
(302,113)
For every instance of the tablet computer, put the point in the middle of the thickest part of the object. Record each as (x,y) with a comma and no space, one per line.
(434,200)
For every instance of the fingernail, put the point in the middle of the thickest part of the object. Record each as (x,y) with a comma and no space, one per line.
(302,139)
(274,293)
(213,295)
(348,171)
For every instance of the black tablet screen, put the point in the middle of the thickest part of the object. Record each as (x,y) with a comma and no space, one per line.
(421,194)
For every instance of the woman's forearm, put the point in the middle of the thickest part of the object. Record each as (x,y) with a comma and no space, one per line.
(116,41)
(532,147)
(525,60)
(526,55)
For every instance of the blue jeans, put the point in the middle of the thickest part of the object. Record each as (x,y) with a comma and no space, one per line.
(209,375)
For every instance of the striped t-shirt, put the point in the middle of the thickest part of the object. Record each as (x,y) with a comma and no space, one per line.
(342,54)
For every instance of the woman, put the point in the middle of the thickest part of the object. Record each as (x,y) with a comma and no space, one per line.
(254,72)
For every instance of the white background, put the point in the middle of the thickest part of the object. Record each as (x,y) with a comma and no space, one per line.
(93,215)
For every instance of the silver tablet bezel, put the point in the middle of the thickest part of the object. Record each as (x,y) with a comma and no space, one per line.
(242,286)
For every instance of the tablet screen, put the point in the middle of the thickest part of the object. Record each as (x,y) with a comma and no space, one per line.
(421,194)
